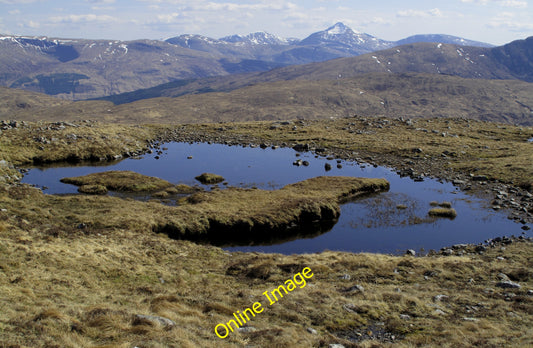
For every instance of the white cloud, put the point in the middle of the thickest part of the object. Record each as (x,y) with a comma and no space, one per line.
(83,18)
(17,2)
(508,21)
(14,12)
(504,3)
(168,18)
(231,6)
(420,14)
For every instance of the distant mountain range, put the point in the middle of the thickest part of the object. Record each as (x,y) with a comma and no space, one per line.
(81,69)
(513,61)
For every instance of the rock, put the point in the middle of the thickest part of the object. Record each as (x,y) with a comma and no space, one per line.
(405,317)
(410,252)
(481,249)
(441,298)
(167,323)
(480,178)
(312,331)
(336,345)
(355,288)
(327,166)
(246,329)
(189,157)
(508,285)
(439,312)
(447,252)
(297,163)
(471,319)
(530,292)
(301,147)
(345,277)
(305,163)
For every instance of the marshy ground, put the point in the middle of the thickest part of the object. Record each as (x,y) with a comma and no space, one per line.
(81,271)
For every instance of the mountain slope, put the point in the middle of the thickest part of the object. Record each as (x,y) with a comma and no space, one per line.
(375,94)
(441,38)
(80,69)
(507,62)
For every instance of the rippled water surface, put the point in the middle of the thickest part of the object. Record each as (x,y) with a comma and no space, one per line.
(372,224)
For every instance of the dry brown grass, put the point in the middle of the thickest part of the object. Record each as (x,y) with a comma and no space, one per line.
(443,212)
(115,180)
(85,290)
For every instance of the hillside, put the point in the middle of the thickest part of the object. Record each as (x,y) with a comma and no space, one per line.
(81,69)
(512,61)
(377,94)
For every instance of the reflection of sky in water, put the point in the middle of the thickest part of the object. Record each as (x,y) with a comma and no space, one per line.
(371,224)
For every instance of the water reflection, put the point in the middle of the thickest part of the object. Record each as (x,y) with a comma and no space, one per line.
(373,224)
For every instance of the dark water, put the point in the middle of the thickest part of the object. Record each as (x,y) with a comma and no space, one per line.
(371,224)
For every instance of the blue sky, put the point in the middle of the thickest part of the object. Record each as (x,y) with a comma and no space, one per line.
(492,21)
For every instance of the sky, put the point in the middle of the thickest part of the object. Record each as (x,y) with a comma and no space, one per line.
(492,21)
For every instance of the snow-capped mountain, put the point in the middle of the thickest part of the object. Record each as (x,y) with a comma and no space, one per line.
(80,69)
(259,38)
(441,38)
(342,38)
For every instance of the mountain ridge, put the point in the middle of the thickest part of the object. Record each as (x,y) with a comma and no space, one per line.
(79,69)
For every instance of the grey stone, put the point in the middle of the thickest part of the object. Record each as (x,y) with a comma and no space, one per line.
(246,329)
(470,319)
(405,317)
(345,277)
(336,345)
(355,288)
(410,252)
(312,331)
(441,298)
(508,285)
(530,292)
(327,166)
(439,312)
(156,320)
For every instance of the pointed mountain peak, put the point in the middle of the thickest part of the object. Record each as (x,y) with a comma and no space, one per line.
(339,29)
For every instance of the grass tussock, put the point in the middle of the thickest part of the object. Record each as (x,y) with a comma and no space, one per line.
(239,214)
(443,212)
(209,178)
(115,180)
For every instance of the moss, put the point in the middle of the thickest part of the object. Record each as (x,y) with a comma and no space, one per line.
(443,212)
(209,179)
